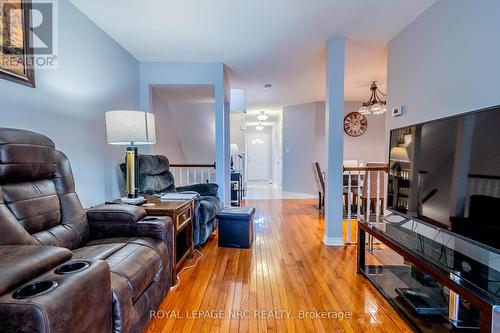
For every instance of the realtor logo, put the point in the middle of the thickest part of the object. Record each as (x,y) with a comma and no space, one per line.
(29,29)
(42,16)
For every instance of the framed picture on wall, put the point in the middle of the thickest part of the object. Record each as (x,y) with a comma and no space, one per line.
(16,54)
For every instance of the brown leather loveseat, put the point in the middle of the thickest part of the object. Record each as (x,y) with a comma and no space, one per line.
(64,269)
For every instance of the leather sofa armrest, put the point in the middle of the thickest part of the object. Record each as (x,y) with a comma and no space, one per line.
(158,227)
(115,213)
(21,263)
(208,189)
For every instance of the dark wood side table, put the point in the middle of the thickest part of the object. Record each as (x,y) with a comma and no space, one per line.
(182,214)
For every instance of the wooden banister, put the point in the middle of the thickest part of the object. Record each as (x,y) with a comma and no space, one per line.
(384,168)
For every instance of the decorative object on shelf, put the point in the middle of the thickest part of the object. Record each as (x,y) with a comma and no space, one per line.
(262,116)
(355,124)
(131,128)
(16,53)
(375,104)
(260,127)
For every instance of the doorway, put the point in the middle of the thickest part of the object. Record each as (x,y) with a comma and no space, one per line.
(257,157)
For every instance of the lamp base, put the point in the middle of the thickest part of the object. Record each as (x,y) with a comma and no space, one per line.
(133,201)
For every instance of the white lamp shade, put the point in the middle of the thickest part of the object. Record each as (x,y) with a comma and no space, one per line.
(130,127)
(234,149)
(399,154)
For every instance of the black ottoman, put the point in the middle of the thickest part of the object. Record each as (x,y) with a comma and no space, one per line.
(236,227)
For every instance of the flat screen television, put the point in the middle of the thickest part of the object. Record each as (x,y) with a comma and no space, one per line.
(447,172)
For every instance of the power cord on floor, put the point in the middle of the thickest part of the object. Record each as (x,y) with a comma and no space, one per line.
(178,279)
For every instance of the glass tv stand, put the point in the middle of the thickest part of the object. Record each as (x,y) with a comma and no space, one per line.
(437,280)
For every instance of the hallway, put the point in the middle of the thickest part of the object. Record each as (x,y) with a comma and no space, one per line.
(266,191)
(287,274)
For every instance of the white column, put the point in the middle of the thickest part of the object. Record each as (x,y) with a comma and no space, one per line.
(222,145)
(227,154)
(335,140)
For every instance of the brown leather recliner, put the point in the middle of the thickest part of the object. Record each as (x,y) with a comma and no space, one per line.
(63,269)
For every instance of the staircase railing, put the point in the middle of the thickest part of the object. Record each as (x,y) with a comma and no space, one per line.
(363,196)
(193,173)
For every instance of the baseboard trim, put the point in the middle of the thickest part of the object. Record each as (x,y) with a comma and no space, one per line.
(333,241)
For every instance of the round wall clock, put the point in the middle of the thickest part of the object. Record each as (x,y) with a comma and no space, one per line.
(355,124)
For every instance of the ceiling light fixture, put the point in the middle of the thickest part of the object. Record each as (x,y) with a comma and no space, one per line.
(375,104)
(262,116)
(260,127)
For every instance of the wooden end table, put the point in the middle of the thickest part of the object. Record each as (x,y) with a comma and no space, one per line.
(182,214)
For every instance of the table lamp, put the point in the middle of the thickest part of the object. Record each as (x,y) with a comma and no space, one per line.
(131,128)
(398,155)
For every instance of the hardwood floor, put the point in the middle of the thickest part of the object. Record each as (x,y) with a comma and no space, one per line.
(287,270)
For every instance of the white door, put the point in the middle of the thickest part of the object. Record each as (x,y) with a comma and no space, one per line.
(257,157)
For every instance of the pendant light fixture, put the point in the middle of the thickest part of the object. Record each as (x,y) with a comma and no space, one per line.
(375,104)
(262,116)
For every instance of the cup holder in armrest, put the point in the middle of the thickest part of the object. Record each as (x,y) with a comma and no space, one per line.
(72,267)
(34,289)
(149,219)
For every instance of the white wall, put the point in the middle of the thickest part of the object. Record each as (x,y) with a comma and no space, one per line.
(175,73)
(304,136)
(277,152)
(195,124)
(95,75)
(369,147)
(303,143)
(446,62)
(185,130)
(237,135)
(167,137)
